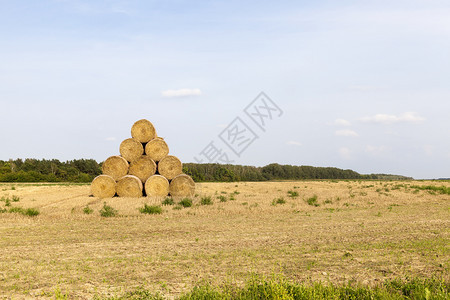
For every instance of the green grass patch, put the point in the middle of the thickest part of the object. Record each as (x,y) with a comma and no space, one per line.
(31,212)
(292,194)
(168,201)
(207,200)
(278,201)
(432,188)
(108,211)
(87,210)
(222,198)
(278,287)
(186,202)
(151,209)
(312,201)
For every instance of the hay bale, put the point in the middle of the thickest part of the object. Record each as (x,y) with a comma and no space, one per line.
(157,149)
(142,168)
(103,186)
(143,131)
(129,186)
(157,186)
(170,166)
(131,149)
(115,166)
(182,186)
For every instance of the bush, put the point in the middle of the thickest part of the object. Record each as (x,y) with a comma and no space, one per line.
(168,201)
(186,202)
(107,211)
(152,210)
(206,201)
(15,199)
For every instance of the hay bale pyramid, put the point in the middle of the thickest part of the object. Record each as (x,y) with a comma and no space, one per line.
(143,168)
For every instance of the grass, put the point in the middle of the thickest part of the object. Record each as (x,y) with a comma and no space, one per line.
(207,200)
(108,211)
(151,209)
(292,194)
(31,212)
(312,201)
(87,210)
(220,245)
(168,201)
(186,202)
(222,198)
(278,287)
(432,188)
(278,201)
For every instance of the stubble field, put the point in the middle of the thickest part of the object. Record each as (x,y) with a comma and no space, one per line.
(329,231)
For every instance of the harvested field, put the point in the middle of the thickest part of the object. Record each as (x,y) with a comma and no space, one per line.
(329,231)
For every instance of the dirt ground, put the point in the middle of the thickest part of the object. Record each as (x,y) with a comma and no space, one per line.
(329,231)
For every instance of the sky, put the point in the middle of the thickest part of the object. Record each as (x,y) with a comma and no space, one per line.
(361,85)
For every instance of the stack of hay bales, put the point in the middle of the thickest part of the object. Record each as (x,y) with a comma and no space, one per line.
(144,167)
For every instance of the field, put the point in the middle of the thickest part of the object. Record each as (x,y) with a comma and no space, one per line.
(339,232)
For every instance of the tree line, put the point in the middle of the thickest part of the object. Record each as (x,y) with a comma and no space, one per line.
(85,170)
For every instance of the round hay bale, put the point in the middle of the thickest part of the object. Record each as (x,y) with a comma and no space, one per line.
(182,186)
(143,131)
(131,149)
(115,166)
(103,186)
(170,166)
(142,168)
(129,186)
(157,149)
(157,186)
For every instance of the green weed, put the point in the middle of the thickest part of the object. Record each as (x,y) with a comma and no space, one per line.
(108,211)
(207,200)
(292,194)
(87,210)
(278,201)
(150,209)
(186,202)
(312,201)
(168,201)
(222,198)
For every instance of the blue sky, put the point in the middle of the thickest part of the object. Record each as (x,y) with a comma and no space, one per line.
(363,85)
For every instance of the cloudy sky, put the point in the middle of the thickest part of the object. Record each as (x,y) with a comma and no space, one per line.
(360,85)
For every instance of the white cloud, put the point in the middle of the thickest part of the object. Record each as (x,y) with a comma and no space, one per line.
(342,122)
(181,93)
(346,132)
(345,153)
(110,139)
(409,117)
(293,143)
